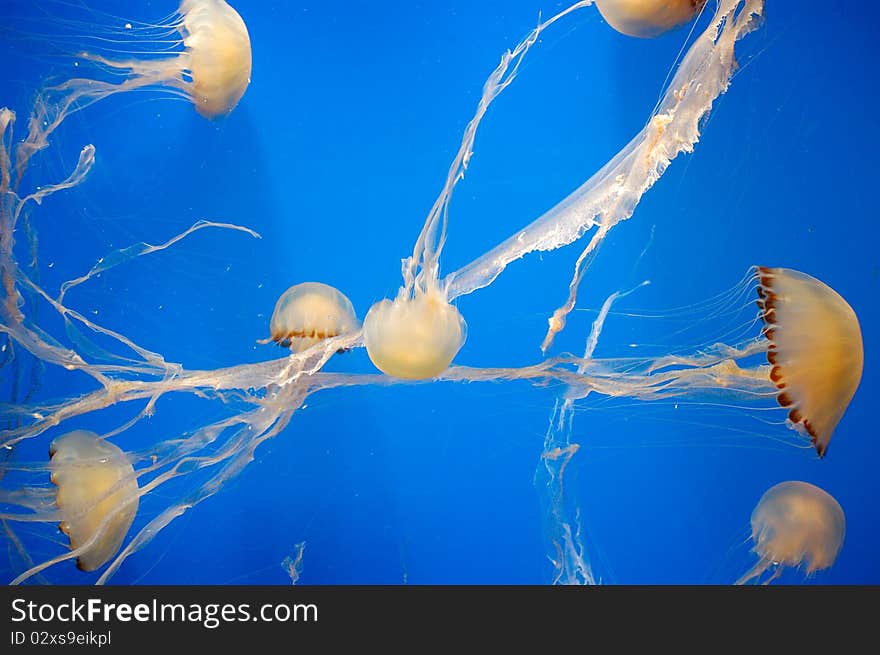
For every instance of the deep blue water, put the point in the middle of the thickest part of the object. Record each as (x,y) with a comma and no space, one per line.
(335,155)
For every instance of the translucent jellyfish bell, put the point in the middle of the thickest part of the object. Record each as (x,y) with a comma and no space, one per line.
(97,495)
(815,348)
(415,338)
(213,71)
(311,312)
(795,525)
(647,18)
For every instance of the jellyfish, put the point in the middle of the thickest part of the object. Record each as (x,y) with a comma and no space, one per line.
(97,495)
(418,334)
(414,337)
(214,69)
(647,18)
(311,312)
(815,350)
(795,525)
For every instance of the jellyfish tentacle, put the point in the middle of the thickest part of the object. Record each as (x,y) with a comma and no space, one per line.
(754,573)
(423,265)
(128,253)
(611,195)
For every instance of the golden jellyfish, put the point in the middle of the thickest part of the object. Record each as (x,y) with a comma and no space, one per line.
(414,338)
(97,495)
(311,312)
(647,18)
(815,350)
(795,525)
(213,71)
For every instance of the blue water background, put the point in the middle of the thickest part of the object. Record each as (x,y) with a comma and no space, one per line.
(335,155)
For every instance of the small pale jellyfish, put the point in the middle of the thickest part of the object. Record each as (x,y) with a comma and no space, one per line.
(795,525)
(647,18)
(414,338)
(311,312)
(97,495)
(213,71)
(815,350)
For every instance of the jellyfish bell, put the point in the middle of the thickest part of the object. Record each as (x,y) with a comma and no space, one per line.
(815,350)
(310,312)
(97,495)
(647,18)
(795,525)
(219,54)
(414,338)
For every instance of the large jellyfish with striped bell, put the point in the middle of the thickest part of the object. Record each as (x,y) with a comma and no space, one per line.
(815,350)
